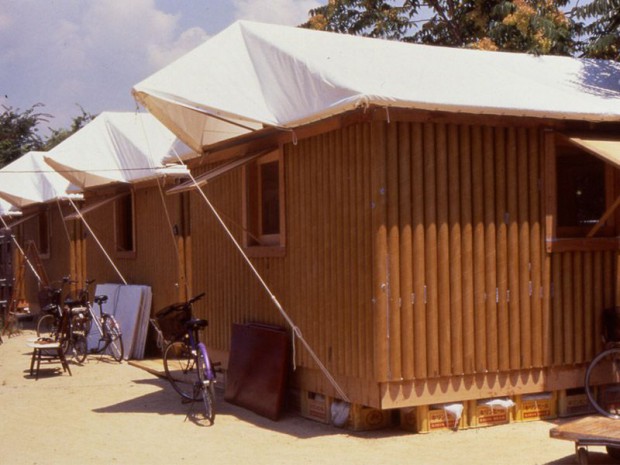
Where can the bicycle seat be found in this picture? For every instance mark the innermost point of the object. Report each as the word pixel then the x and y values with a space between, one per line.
pixel 196 323
pixel 100 299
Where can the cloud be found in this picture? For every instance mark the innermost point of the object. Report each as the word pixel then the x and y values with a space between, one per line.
pixel 286 12
pixel 65 53
pixel 69 52
pixel 163 54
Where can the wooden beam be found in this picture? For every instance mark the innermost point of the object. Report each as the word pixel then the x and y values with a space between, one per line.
pixel 550 189
pixel 601 222
pixel 380 249
pixel 479 385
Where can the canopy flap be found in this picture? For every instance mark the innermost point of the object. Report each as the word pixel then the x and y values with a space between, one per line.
pixel 216 172
pixel 607 149
pixel 93 206
pixel 29 180
pixel 118 147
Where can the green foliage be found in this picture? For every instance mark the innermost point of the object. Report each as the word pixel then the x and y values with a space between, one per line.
pixel 534 26
pixel 538 27
pixel 371 18
pixel 58 135
pixel 18 132
pixel 602 28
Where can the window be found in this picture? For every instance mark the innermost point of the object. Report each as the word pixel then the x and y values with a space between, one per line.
pixel 124 233
pixel 581 201
pixel 264 203
pixel 582 191
pixel 43 234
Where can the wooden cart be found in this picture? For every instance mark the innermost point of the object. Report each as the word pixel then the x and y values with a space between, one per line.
pixel 594 430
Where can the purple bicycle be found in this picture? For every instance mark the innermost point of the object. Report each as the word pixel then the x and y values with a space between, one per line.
pixel 186 361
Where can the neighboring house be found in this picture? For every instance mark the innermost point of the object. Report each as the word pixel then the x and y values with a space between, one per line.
pixel 126 223
pixel 440 224
pixel 29 184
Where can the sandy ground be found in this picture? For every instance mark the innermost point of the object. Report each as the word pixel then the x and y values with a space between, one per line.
pixel 108 413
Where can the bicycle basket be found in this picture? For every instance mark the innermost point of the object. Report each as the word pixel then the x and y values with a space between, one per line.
pixel 171 320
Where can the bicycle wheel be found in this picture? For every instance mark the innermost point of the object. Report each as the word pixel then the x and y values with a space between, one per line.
pixel 207 388
pixel 79 348
pixel 112 337
pixel 604 368
pixel 68 347
pixel 47 327
pixel 180 368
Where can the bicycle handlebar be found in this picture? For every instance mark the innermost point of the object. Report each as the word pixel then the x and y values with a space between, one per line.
pixel 196 298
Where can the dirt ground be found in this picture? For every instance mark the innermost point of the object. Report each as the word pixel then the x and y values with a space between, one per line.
pixel 108 413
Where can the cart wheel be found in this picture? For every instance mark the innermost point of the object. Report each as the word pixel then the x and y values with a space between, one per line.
pixel 582 456
pixel 613 452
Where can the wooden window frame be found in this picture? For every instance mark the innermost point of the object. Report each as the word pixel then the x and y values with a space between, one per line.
pixel 557 239
pixel 121 252
pixel 274 245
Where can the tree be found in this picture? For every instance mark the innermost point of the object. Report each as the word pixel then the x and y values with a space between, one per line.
pixel 58 135
pixel 535 26
pixel 371 18
pixel 602 28
pixel 18 132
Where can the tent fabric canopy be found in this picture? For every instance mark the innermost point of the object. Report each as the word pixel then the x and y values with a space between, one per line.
pixel 608 149
pixel 267 75
pixel 7 209
pixel 29 180
pixel 118 147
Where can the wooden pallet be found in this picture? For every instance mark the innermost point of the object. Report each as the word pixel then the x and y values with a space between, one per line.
pixel 594 430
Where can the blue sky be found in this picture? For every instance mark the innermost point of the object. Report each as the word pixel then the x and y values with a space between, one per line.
pixel 65 53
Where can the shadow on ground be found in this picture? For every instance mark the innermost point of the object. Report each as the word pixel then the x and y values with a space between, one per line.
pixel 167 402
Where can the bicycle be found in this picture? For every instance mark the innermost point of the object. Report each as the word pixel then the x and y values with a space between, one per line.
pixel 187 364
pixel 110 332
pixel 605 367
pixel 50 303
pixel 67 324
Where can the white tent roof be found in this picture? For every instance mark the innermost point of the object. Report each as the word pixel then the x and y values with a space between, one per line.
pixel 29 180
pixel 261 74
pixel 118 147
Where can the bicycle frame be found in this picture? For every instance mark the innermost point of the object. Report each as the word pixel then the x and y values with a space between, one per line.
pixel 110 336
pixel 196 345
pixel 186 361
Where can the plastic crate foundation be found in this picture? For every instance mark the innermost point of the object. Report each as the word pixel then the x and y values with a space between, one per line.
pixel 490 412
pixel 315 406
pixel 362 418
pixel 573 402
pixel 432 418
pixel 532 407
